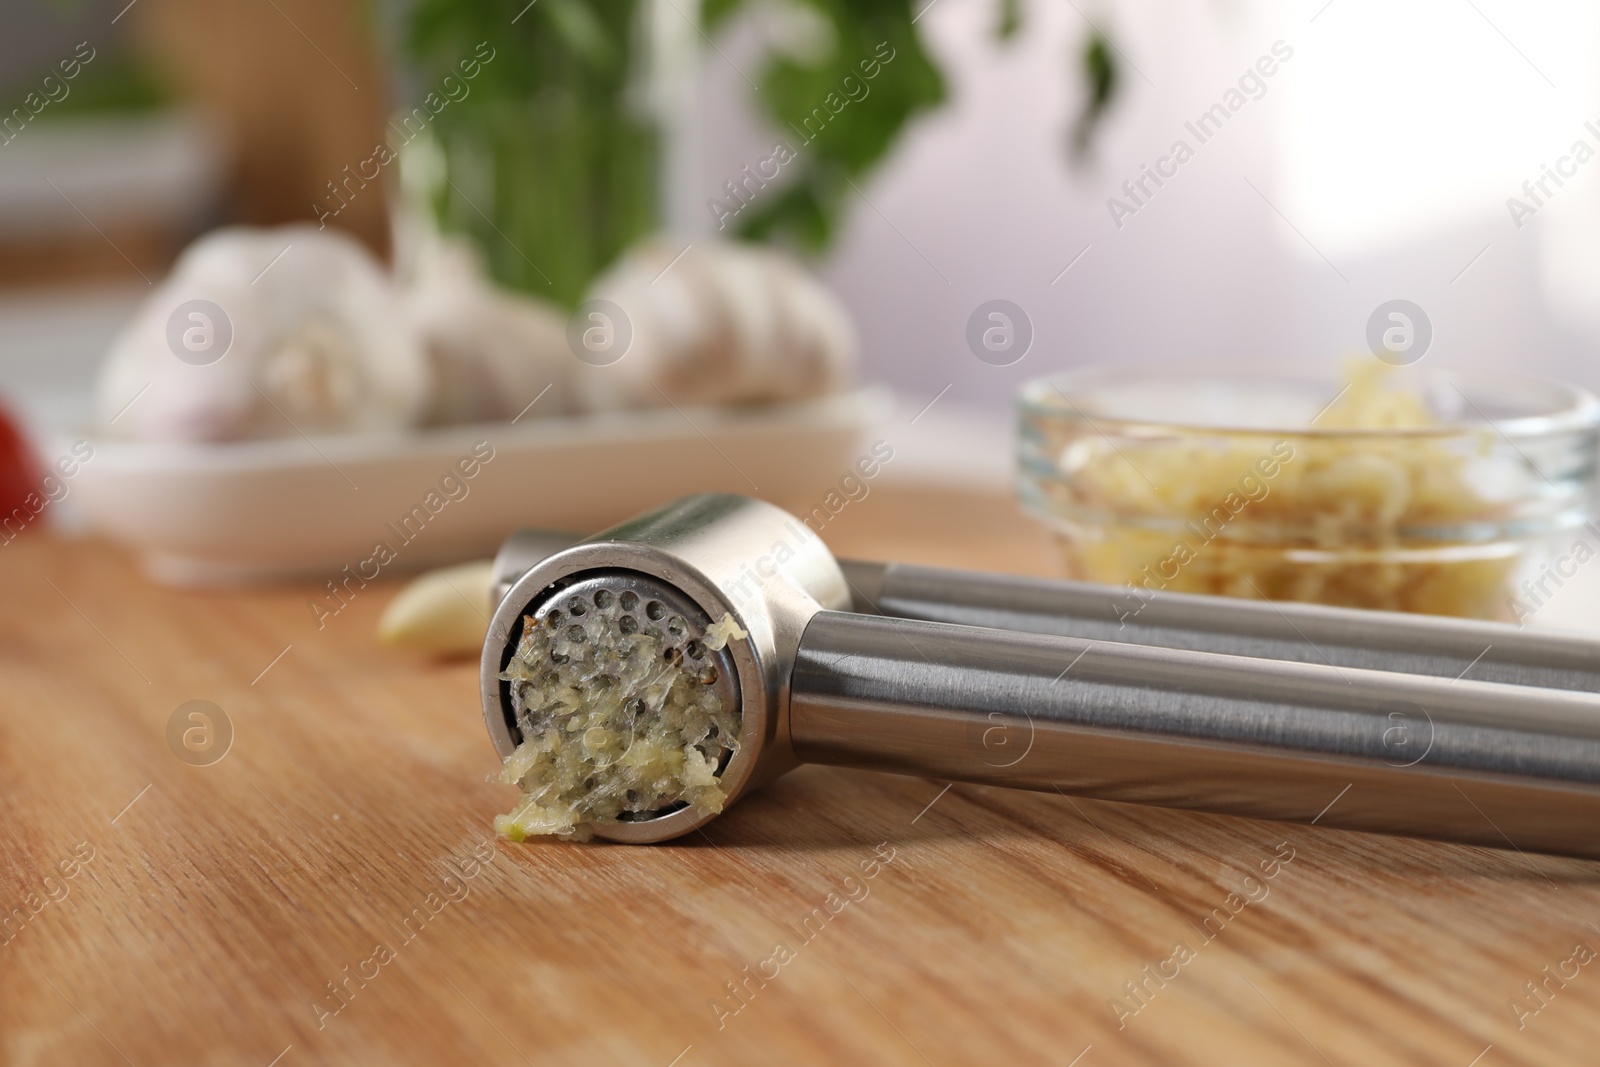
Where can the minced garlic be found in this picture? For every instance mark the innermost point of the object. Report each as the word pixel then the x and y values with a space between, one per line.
pixel 1360 521
pixel 719 633
pixel 619 714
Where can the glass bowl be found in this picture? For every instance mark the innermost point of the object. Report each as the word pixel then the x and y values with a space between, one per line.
pixel 1401 489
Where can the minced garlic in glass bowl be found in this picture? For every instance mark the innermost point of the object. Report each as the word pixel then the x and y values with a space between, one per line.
pixel 1402 489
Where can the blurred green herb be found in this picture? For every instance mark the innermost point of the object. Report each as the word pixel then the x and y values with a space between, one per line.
pixel 552 160
pixel 114 83
pixel 1100 78
pixel 859 120
pixel 1010 20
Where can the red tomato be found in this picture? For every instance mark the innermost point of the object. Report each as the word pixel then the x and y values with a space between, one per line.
pixel 19 477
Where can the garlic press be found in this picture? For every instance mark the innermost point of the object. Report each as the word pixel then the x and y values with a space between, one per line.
pixel 1471 732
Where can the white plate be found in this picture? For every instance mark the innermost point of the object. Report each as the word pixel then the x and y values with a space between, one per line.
pixel 299 507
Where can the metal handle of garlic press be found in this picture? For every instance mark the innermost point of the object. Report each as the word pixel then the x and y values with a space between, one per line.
pixel 1282 630
pixel 1472 762
pixel 1306 633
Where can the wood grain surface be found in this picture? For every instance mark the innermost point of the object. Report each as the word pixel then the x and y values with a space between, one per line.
pixel 329 892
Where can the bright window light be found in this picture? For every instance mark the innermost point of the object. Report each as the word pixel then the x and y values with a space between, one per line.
pixel 1409 118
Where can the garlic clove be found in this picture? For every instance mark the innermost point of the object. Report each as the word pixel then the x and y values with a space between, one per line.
pixel 725 323
pixel 830 349
pixel 492 351
pixel 443 612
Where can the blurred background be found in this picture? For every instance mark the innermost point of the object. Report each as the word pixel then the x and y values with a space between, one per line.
pixel 986 160
pixel 1388 144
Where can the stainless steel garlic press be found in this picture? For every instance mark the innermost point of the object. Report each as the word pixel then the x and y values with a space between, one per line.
pixel 1461 731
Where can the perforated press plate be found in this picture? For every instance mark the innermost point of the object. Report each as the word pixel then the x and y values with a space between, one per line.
pixel 621 710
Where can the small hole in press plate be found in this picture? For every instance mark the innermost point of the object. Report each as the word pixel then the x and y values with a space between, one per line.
pixel 653 611
pixel 646 816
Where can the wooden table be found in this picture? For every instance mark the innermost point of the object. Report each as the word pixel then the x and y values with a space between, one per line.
pixel 329 890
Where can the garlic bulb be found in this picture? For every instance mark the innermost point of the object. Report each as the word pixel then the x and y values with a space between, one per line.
pixel 725 323
pixel 265 333
pixel 273 333
pixel 492 351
